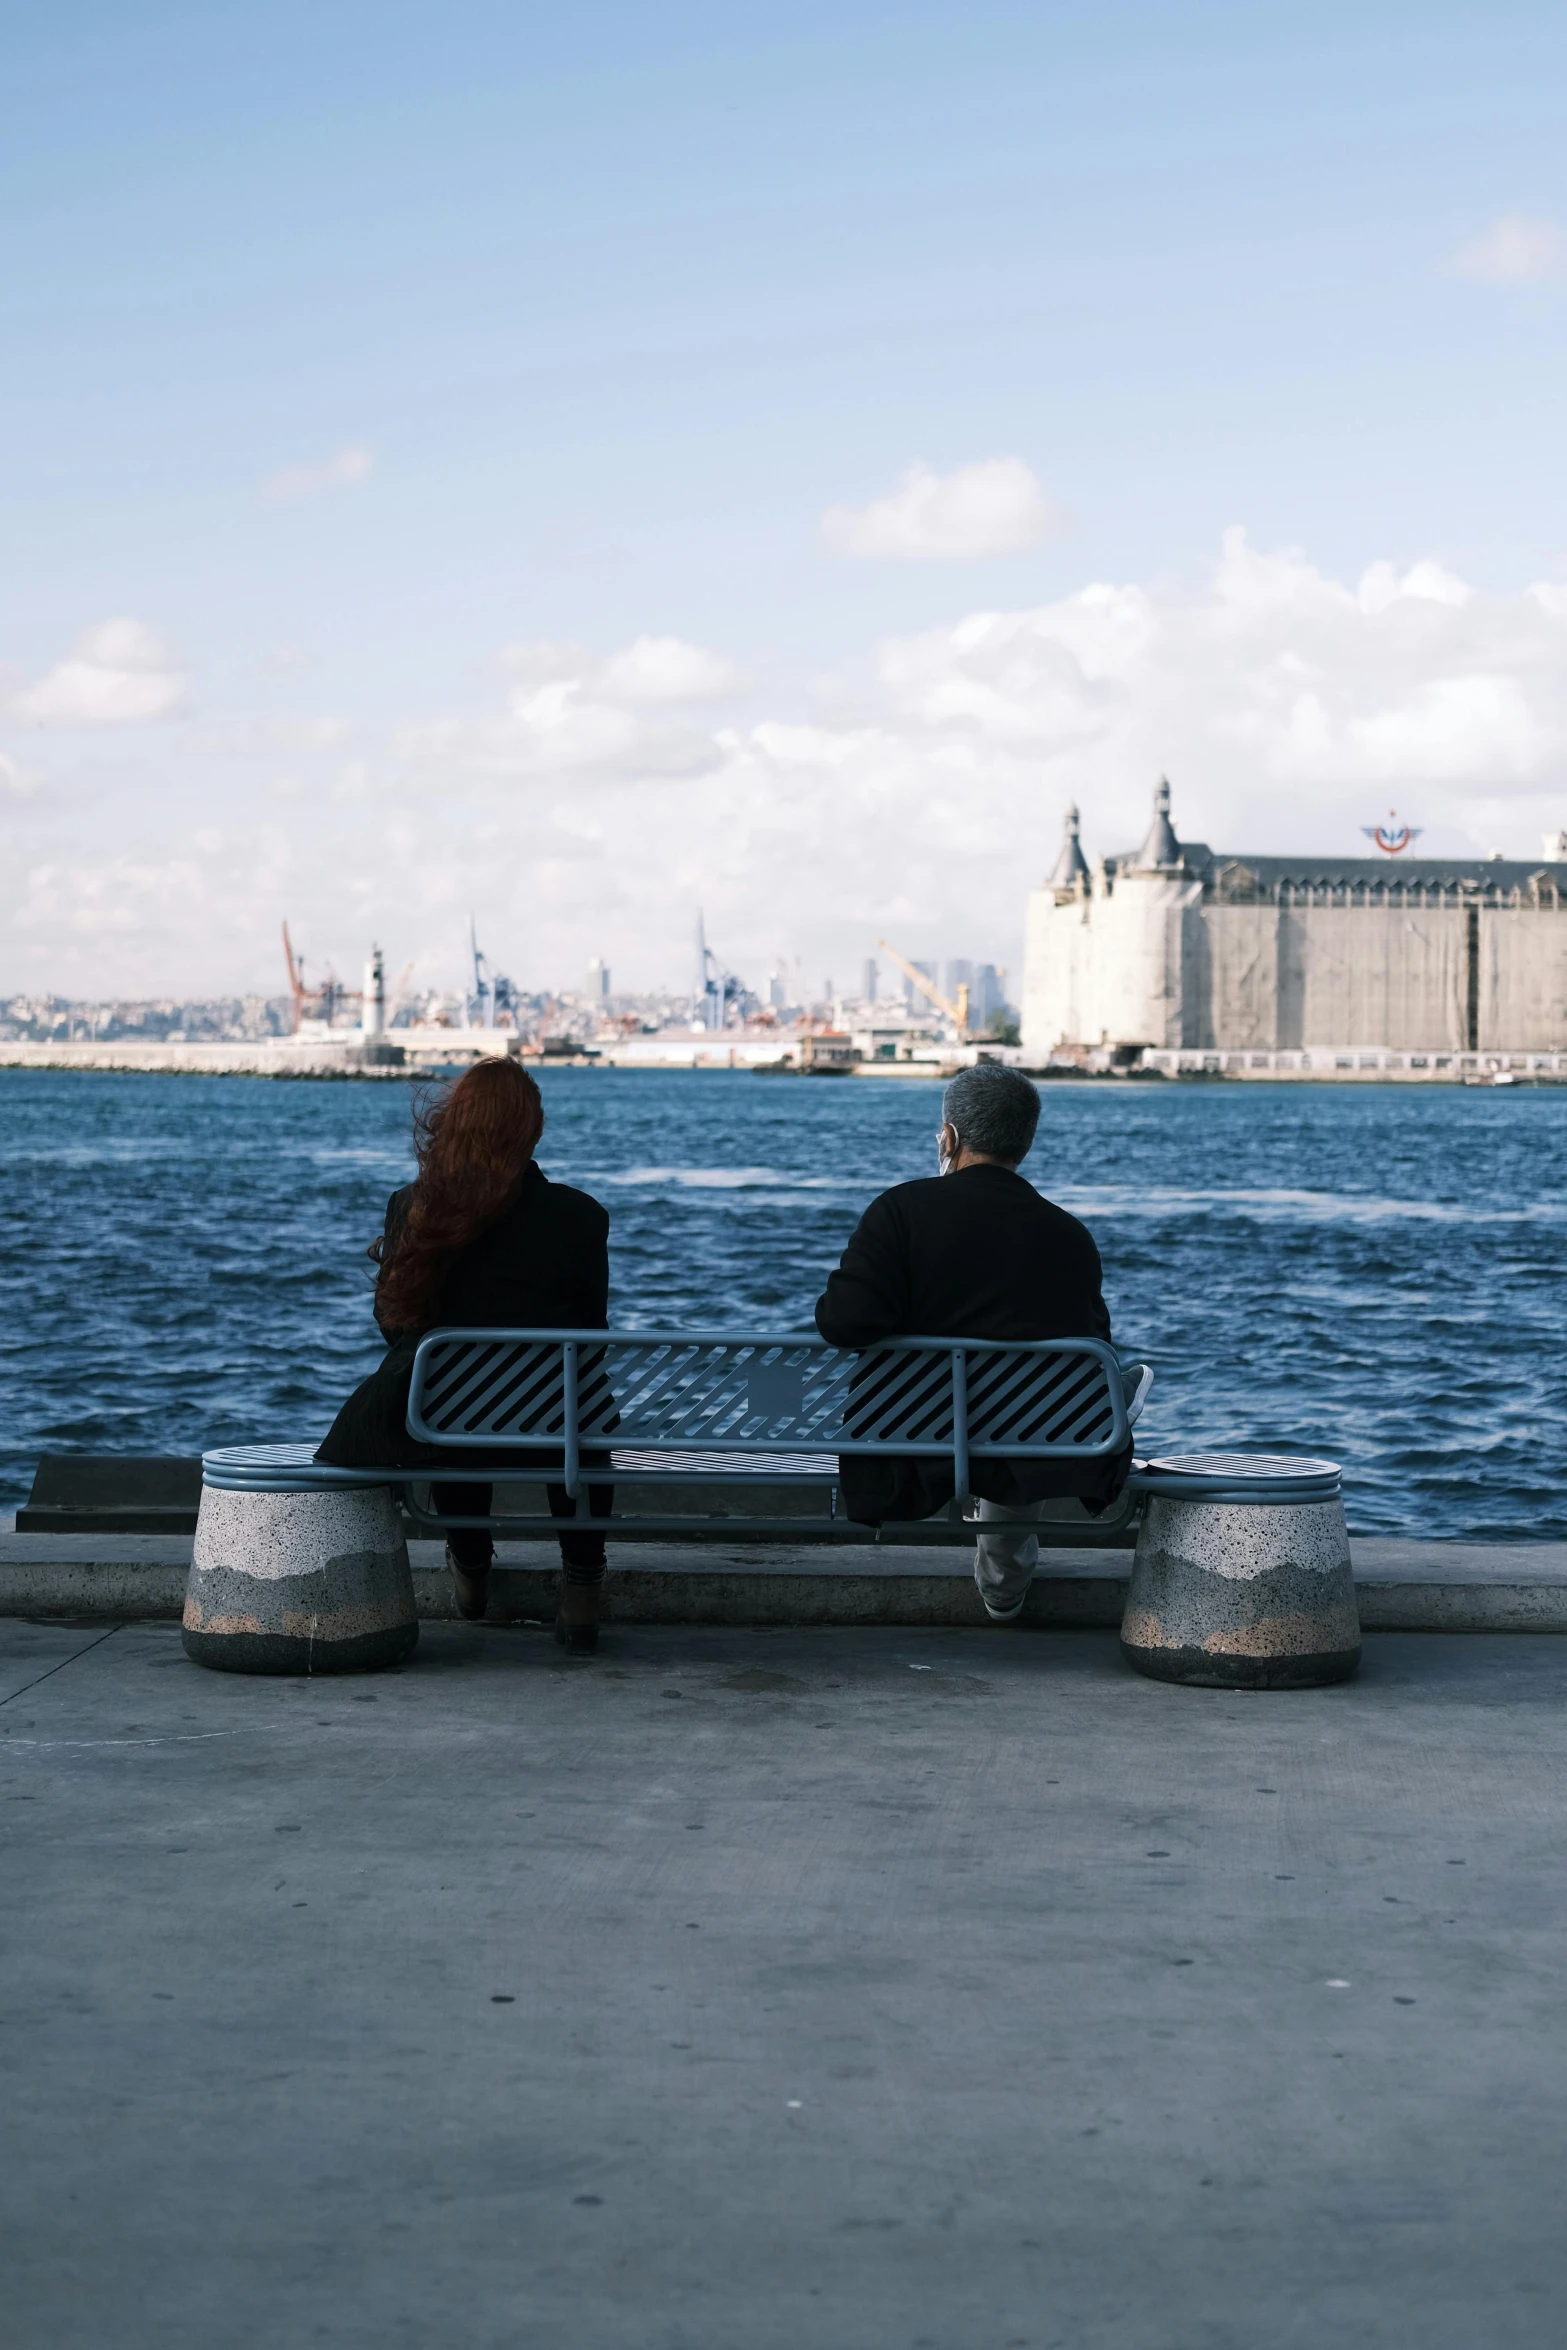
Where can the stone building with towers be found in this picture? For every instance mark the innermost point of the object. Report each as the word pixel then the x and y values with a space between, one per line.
pixel 1180 949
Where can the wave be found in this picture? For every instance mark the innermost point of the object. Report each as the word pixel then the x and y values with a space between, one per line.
pixel 1109 1201
pixel 1112 1200
pixel 718 1179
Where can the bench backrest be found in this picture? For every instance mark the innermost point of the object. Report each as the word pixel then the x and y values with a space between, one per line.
pixel 668 1391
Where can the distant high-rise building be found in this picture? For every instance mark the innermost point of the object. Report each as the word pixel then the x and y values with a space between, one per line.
pixel 987 994
pixel 870 979
pixel 598 980
pixel 778 988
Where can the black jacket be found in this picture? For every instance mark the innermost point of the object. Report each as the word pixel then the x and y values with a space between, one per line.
pixel 976 1254
pixel 542 1265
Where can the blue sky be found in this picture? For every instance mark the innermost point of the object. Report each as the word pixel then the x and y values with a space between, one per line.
pixel 393 370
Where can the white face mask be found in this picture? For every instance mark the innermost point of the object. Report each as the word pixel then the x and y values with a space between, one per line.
pixel 944 1156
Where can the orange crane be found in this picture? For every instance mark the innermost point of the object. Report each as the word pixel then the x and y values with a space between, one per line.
pixel 296 979
pixel 957 1012
pixel 324 998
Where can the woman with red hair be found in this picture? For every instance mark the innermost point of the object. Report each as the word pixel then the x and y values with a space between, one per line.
pixel 482 1239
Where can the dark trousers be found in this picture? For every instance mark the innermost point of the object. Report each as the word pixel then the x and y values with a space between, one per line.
pixel 581 1555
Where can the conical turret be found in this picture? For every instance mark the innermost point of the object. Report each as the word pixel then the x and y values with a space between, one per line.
pixel 1071 865
pixel 1161 848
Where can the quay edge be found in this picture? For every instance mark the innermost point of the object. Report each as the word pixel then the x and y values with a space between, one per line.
pixel 1400 1585
pixel 380 1060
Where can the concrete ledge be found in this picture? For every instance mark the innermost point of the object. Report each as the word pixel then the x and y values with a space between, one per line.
pixel 1407 1586
pixel 115 1577
pixel 1401 1585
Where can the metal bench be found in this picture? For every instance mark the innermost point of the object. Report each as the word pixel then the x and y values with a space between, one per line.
pixel 1242 1576
pixel 731 1411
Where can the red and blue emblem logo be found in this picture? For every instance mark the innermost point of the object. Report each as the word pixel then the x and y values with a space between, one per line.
pixel 1392 837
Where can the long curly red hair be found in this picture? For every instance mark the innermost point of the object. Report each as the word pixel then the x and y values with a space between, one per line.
pixel 473 1143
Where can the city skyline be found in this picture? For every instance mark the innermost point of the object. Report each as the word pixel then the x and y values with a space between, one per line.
pixel 408 997
pixel 580 469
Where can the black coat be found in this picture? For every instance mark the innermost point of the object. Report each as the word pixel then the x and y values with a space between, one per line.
pixel 542 1265
pixel 975 1254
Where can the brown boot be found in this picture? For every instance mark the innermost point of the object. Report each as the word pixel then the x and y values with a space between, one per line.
pixel 472 1587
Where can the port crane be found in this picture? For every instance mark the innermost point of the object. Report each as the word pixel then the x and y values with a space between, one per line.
pixel 956 1012
pixel 322 1002
pixel 716 989
pixel 319 1002
pixel 493 993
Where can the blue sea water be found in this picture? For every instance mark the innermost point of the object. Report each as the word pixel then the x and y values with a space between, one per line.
pixel 1378 1273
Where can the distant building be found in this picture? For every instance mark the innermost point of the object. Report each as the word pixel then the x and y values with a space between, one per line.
pixel 987 995
pixel 870 980
pixel 1176 944
pixel 960 973
pixel 598 981
pixel 915 997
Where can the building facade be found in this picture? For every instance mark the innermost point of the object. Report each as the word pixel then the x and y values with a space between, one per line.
pixel 1181 946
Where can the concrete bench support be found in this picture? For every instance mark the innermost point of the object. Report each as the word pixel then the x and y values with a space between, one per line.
pixel 300 1582
pixel 1242 1578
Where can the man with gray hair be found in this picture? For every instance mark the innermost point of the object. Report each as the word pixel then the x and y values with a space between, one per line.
pixel 974 1252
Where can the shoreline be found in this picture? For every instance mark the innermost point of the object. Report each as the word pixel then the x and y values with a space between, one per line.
pixel 350 1064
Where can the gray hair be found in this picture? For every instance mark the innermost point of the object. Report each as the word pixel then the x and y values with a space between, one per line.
pixel 994 1110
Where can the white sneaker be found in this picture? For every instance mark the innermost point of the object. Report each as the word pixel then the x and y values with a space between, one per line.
pixel 1008 1615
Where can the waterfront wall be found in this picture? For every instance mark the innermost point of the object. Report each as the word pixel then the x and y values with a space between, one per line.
pixel 343 1054
pixel 1336 1065
pixel 239 1057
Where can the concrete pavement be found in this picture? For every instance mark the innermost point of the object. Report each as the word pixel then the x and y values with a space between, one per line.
pixel 956 1990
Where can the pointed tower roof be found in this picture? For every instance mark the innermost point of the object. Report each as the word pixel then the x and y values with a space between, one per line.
pixel 1071 863
pixel 1161 846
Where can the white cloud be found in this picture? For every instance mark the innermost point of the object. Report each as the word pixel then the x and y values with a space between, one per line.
pixel 344 470
pixel 994 508
pixel 1514 249
pixel 579 816
pixel 1382 585
pixel 571 714
pixel 16 779
pixel 118 674
pixel 666 669
pixel 1281 692
pixel 652 669
pixel 126 895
